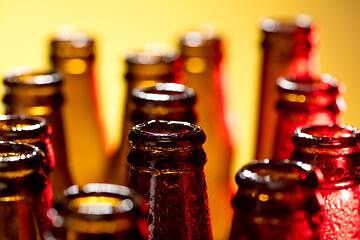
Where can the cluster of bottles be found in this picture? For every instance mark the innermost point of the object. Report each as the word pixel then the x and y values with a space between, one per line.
pixel 174 133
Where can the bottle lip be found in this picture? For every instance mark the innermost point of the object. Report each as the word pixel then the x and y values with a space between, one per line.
pixel 163 94
pixel 27 76
pixel 286 25
pixel 167 134
pixel 327 136
pixel 276 175
pixel 16 127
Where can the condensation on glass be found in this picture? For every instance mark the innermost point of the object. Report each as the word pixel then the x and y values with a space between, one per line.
pixel 24 195
pixel 98 211
pixel 302 103
pixel 164 101
pixel 167 168
pixel 276 200
pixel 289 47
pixel 38 93
pixel 334 151
pixel 202 51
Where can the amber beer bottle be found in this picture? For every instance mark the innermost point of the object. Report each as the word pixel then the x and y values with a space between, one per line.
pixel 147 66
pixel 335 151
pixel 302 103
pixel 202 51
pixel 164 101
pixel 276 200
pixel 23 196
pixel 98 211
pixel 290 47
pixel 39 93
pixel 167 168
pixel 73 54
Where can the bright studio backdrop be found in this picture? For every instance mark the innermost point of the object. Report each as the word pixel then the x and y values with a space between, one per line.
pixel 26 26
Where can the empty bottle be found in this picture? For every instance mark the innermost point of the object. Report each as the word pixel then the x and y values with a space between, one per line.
pixel 39 94
pixel 167 168
pixel 276 200
pixel 289 47
pixel 334 150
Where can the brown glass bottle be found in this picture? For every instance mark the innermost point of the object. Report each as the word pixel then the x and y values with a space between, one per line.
pixel 167 167
pixel 276 200
pixel 289 47
pixel 23 196
pixel 73 54
pixel 152 64
pixel 39 94
pixel 164 101
pixel 98 212
pixel 303 103
pixel 335 151
pixel 202 51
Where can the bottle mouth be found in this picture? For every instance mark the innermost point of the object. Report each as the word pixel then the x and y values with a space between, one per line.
pixel 167 134
pixel 164 94
pixel 286 25
pixel 153 53
pixel 26 76
pixel 15 127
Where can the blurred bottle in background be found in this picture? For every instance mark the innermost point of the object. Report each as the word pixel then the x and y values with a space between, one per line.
pixel 276 200
pixel 73 54
pixel 202 51
pixel 290 47
pixel 334 150
pixel 147 66
pixel 98 212
pixel 35 93
pixel 23 197
pixel 164 101
pixel 304 102
pixel 167 168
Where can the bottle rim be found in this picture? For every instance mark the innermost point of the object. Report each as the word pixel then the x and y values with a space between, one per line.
pixel 28 77
pixel 286 25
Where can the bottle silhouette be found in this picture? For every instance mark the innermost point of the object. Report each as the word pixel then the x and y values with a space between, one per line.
pixel 303 103
pixel 164 101
pixel 98 212
pixel 202 52
pixel 334 150
pixel 23 195
pixel 39 93
pixel 289 47
pixel 73 54
pixel 276 200
pixel 152 64
pixel 167 168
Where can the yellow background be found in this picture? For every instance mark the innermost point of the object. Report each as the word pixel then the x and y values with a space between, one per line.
pixel 26 26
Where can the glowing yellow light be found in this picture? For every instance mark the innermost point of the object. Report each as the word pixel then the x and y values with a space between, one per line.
pixel 263 197
pixel 75 66
pixel 40 111
pixel 195 65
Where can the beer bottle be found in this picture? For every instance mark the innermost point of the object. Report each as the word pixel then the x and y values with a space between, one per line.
pixel 164 101
pixel 276 200
pixel 39 93
pixel 98 212
pixel 302 103
pixel 147 66
pixel 73 54
pixel 23 196
pixel 167 168
pixel 334 150
pixel 202 51
pixel 290 47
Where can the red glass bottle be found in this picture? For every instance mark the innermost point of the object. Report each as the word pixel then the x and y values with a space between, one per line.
pixel 73 54
pixel 304 103
pixel 39 94
pixel 98 211
pixel 203 54
pixel 276 200
pixel 335 151
pixel 167 167
pixel 164 101
pixel 289 47
pixel 152 64
pixel 23 196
